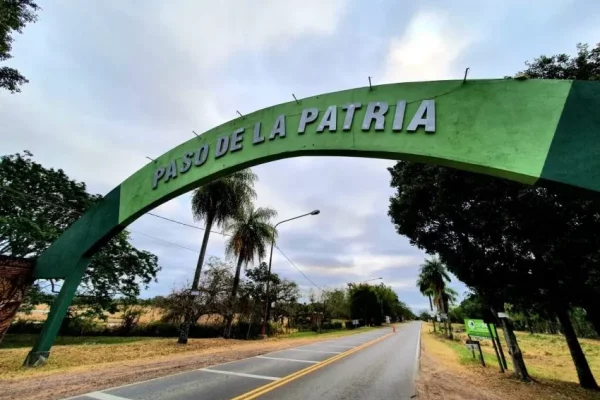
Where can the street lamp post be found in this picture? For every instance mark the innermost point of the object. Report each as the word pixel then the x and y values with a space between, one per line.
pixel 264 325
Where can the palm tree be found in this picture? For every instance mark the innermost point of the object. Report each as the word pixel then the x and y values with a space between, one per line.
pixel 250 232
pixel 216 203
pixel 432 281
pixel 426 291
pixel 448 297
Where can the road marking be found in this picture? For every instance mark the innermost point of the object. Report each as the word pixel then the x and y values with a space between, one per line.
pixel 288 359
pixel 286 379
pixel 217 371
pixel 104 396
pixel 356 335
pixel 314 351
pixel 353 344
pixel 418 352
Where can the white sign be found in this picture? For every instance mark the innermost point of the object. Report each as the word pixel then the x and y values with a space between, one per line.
pixel 502 315
pixel 195 293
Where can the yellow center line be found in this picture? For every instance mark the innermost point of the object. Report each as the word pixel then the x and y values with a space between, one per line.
pixel 286 379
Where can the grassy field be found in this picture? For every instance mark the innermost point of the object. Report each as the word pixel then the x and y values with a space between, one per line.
pixel 546 356
pixel 448 371
pixel 14 341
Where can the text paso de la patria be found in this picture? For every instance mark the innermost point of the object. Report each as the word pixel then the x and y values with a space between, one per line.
pixel 374 119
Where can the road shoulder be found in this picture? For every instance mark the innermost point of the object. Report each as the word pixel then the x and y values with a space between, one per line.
pixel 38 385
pixel 442 375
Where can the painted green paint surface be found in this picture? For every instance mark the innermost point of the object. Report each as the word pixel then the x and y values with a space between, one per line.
pixel 84 236
pixel 504 128
pixel 500 127
pixel 575 152
pixel 478 328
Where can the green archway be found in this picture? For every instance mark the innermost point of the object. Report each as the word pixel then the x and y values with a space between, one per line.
pixel 529 131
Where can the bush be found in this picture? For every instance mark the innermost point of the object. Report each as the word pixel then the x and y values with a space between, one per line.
pixel 25 327
pixel 83 327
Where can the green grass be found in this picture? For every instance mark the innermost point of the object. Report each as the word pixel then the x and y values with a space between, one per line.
pixel 15 341
pixel 466 355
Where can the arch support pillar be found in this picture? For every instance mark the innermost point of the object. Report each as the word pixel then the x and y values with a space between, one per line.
pixel 41 350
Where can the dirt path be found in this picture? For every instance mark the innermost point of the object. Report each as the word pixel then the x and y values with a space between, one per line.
pixel 81 380
pixel 443 376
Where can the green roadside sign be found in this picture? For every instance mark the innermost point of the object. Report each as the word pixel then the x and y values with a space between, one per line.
pixel 478 328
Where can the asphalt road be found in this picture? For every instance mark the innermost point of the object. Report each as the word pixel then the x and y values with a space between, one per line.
pixel 371 365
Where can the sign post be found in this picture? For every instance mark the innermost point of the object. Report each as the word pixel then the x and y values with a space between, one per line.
pixel 495 348
pixel 500 347
pixel 478 328
pixel 475 345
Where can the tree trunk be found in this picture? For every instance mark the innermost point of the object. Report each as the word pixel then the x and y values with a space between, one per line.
pixel 513 348
pixel 552 326
pixel 448 322
pixel 207 228
pixel 593 316
pixel 184 329
pixel 232 300
pixel 584 373
pixel 431 308
pixel 528 320
pixel 184 332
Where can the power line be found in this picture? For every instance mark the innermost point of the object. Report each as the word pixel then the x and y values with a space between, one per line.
pixel 299 270
pixel 165 241
pixel 162 240
pixel 186 224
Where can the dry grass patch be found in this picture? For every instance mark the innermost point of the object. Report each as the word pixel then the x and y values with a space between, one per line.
pixel 448 373
pixel 546 356
pixel 93 354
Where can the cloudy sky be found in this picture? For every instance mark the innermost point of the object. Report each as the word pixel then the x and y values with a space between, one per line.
pixel 112 82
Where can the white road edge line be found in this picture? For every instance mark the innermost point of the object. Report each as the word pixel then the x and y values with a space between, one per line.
pixel 314 351
pixel 288 359
pixel 104 396
pixel 418 352
pixel 217 371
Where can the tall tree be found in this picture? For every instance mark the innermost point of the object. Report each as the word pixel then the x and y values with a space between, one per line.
pixel 427 290
pixel 512 243
pixel 283 293
pixel 250 231
pixel 37 204
pixel 219 201
pixel 213 288
pixel 216 203
pixel 432 279
pixel 14 15
pixel 336 302
pixel 585 66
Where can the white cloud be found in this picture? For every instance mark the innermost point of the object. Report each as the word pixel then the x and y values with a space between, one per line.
pixel 427 49
pixel 211 33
